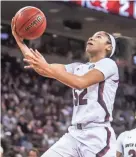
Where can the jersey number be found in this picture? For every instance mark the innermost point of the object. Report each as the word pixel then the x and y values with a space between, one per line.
pixel 80 98
pixel 132 153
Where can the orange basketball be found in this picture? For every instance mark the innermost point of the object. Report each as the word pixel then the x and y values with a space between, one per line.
pixel 30 22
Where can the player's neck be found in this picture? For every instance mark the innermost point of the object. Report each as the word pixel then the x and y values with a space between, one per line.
pixel 94 59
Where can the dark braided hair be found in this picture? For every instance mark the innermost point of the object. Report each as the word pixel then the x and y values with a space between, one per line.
pixel 125 47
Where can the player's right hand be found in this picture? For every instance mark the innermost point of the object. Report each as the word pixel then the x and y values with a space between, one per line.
pixel 16 36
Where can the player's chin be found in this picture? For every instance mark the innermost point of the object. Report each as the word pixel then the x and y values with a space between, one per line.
pixel 89 48
pixel 88 52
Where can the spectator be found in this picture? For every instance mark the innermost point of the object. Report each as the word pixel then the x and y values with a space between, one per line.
pixel 33 153
pixel 23 125
pixel 9 121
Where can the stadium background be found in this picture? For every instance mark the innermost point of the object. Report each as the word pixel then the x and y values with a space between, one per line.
pixel 36 111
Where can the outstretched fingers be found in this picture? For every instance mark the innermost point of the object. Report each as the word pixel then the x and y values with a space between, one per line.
pixel 30 61
pixel 29 67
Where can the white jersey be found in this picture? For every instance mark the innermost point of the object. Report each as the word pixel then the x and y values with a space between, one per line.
pixel 95 103
pixel 126 143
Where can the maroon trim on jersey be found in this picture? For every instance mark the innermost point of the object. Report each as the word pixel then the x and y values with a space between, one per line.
pixel 107 147
pixel 101 101
pixel 116 81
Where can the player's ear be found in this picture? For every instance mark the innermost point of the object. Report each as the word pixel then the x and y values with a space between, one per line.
pixel 108 49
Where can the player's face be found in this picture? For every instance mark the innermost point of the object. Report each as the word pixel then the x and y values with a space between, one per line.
pixel 32 154
pixel 98 43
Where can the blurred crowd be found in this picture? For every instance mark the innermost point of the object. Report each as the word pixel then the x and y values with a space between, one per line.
pixel 51 44
pixel 37 111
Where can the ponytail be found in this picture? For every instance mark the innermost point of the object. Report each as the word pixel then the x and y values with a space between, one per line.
pixel 125 47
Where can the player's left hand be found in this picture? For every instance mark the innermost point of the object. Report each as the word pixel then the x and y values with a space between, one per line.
pixel 37 62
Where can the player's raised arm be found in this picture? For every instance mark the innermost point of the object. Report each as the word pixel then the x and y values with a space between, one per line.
pixel 28 52
pixel 24 49
pixel 102 71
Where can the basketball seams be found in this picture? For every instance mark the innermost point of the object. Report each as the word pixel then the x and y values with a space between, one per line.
pixel 36 29
pixel 17 14
pixel 30 23
pixel 28 20
pixel 23 10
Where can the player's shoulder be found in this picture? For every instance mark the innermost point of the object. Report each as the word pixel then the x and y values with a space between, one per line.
pixel 132 131
pixel 123 134
pixel 108 64
pixel 76 64
pixel 127 134
pixel 108 61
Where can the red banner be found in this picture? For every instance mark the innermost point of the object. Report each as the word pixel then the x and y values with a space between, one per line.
pixel 125 8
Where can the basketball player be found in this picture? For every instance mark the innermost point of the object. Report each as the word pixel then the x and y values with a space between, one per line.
pixel 126 144
pixel 94 87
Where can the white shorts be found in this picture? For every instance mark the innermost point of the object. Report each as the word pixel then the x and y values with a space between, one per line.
pixel 92 142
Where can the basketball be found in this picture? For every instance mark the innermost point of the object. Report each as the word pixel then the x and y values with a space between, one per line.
pixel 30 22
